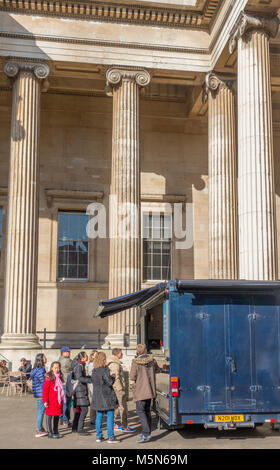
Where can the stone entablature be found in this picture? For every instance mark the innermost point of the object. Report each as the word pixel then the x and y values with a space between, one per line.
pixel 120 12
pixel 190 48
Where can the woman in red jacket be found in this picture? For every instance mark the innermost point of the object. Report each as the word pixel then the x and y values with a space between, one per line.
pixel 53 398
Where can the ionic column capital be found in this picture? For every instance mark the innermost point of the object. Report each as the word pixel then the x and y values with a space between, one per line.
pixel 115 76
pixel 12 68
pixel 247 24
pixel 214 83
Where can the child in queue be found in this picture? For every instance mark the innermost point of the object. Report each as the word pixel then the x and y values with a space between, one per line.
pixel 53 398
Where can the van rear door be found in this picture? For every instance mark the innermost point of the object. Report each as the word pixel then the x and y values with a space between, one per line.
pixel 226 352
pixel 266 331
pixel 216 373
pixel 241 355
pixel 198 341
pixel 186 360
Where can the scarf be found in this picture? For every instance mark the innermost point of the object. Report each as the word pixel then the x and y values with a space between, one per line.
pixel 58 387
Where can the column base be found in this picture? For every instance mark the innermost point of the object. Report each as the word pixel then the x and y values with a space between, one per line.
pixel 120 340
pixel 19 341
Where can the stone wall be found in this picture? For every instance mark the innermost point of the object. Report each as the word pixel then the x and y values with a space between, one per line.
pixel 76 156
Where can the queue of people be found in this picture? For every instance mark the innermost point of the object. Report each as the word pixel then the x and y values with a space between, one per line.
pixel 100 385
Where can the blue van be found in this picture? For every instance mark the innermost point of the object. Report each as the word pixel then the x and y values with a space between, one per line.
pixel 221 339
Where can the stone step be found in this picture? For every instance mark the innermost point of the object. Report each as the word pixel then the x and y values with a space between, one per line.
pixel 157 352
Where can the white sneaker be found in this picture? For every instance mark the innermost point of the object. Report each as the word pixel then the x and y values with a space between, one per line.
pixel 41 433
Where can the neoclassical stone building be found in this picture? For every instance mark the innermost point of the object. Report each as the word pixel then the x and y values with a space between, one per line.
pixel 152 104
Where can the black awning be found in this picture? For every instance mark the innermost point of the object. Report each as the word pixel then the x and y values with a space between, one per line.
pixel 136 299
pixel 227 285
pixel 155 295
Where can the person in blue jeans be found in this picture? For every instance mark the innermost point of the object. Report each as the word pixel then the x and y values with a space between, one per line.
pixel 66 367
pixel 104 399
pixel 37 376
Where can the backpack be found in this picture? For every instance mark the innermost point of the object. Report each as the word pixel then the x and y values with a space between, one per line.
pixel 71 384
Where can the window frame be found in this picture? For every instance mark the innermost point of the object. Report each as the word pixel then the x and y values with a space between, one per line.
pixel 153 211
pixel 71 279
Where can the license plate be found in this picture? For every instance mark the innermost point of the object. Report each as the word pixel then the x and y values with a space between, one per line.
pixel 229 418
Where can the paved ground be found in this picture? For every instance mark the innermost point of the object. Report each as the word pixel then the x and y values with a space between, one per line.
pixel 17 429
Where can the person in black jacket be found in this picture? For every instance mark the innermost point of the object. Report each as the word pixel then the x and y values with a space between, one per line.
pixel 103 398
pixel 25 367
pixel 81 401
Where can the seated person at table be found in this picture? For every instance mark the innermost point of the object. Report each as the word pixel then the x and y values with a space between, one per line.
pixel 25 367
pixel 3 369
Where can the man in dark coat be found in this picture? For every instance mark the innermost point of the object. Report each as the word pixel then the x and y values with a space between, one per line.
pixel 81 401
pixel 25 367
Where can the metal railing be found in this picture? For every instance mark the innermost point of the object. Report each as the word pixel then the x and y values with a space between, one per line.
pixel 87 339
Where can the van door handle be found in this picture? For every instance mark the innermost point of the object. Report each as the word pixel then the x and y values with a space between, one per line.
pixel 232 364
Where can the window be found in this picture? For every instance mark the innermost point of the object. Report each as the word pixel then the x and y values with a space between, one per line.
pixel 157 239
pixel 73 246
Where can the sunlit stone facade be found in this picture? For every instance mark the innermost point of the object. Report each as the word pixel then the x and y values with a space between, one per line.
pixel 152 105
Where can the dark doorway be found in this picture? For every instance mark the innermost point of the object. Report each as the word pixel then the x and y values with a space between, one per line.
pixel 154 327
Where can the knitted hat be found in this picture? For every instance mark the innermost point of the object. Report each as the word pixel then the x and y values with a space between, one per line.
pixel 140 349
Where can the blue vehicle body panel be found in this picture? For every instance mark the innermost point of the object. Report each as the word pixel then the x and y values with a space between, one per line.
pixel 223 343
pixel 225 351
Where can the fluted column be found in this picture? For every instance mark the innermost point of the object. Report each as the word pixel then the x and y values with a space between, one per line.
pixel 222 177
pixel 124 85
pixel 22 224
pixel 257 222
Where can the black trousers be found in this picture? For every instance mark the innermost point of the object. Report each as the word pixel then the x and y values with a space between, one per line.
pixel 79 418
pixel 143 409
pixel 50 429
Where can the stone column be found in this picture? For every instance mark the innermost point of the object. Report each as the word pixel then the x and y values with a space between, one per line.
pixel 222 177
pixel 256 189
pixel 22 224
pixel 124 85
